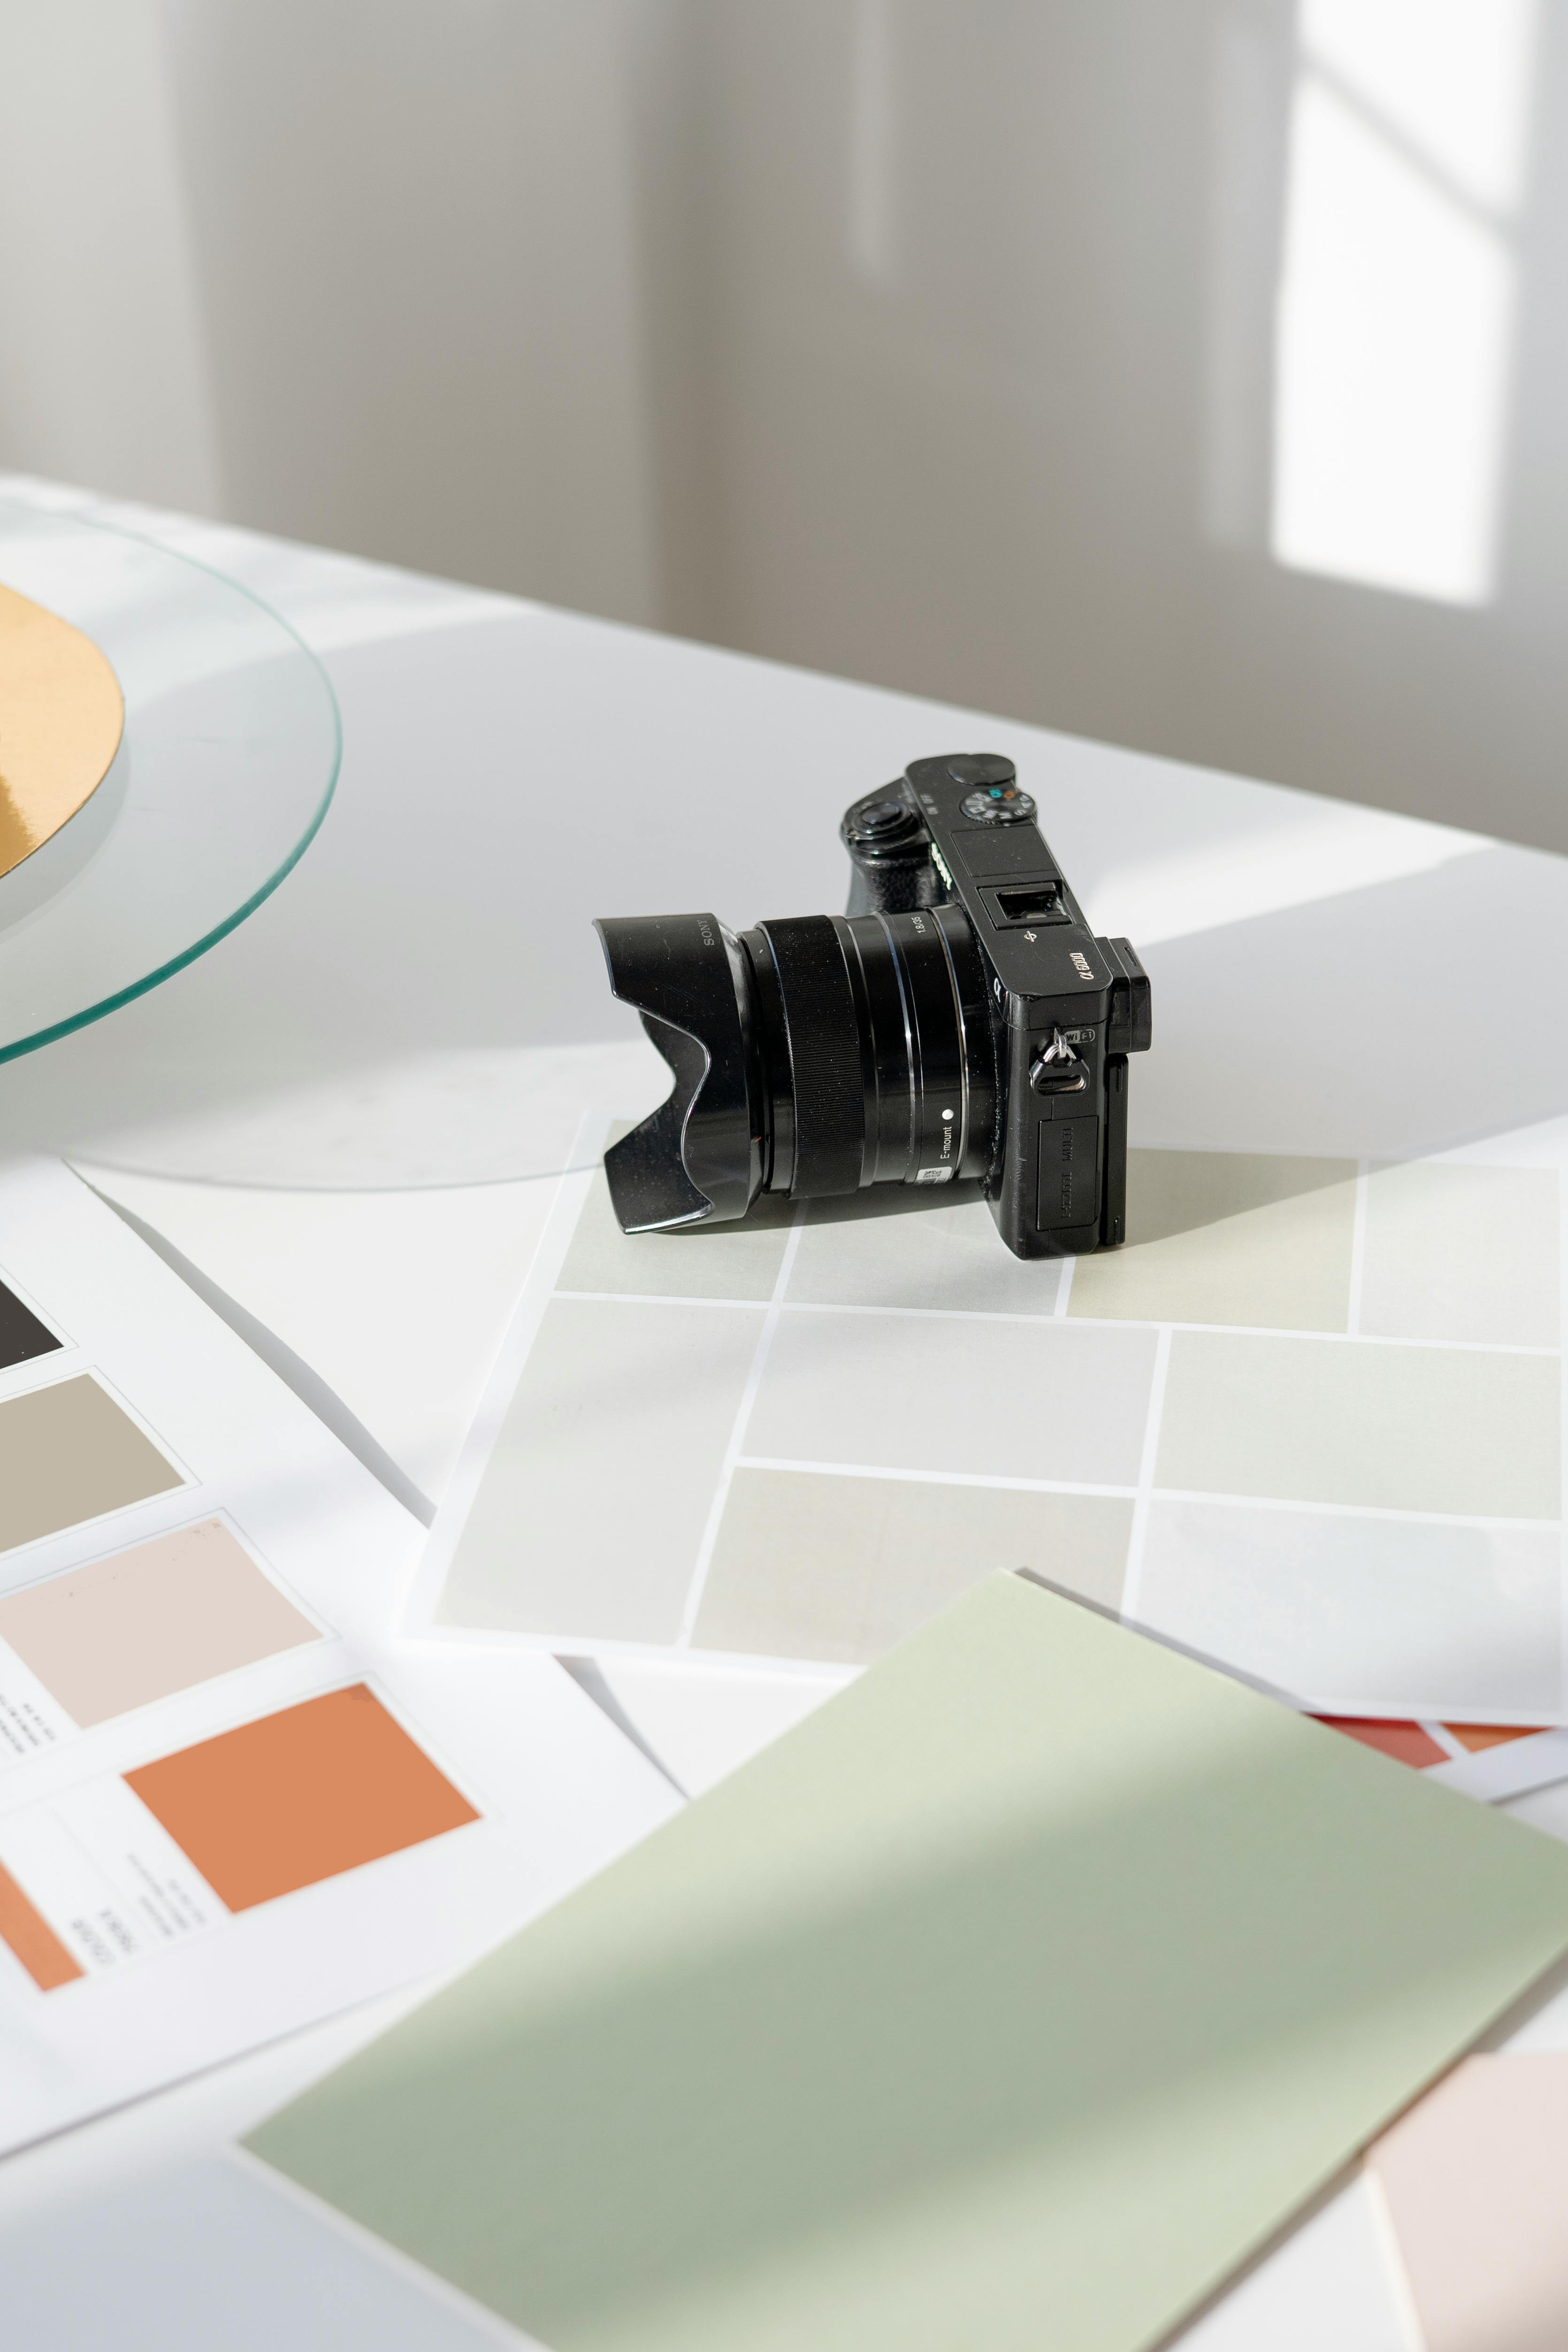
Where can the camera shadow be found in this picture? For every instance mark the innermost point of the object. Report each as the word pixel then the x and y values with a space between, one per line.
pixel 1168 1193
pixel 1292 1045
pixel 891 1201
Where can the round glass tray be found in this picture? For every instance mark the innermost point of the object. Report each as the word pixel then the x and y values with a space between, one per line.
pixel 227 764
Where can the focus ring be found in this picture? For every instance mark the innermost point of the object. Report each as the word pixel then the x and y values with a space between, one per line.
pixel 823 1033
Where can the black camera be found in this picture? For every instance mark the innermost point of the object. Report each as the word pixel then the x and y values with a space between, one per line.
pixel 960 1021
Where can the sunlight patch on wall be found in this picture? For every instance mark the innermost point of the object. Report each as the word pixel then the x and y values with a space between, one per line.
pixel 1397 296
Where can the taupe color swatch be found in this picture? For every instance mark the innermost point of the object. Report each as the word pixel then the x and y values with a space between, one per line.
pixel 1458 1253
pixel 590 1512
pixel 879 1249
pixel 811 1566
pixel 1401 1429
pixel 1228 1237
pixel 709 1261
pixel 934 1392
pixel 158 1618
pixel 69 1453
pixel 1008 2002
pixel 1340 1610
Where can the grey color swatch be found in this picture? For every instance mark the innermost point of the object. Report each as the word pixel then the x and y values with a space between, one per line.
pixel 815 1566
pixel 877 1249
pixel 709 1261
pixel 1228 1237
pixel 934 1392
pixel 1462 1252
pixel 1402 1429
pixel 1346 1609
pixel 570 1533
pixel 69 1453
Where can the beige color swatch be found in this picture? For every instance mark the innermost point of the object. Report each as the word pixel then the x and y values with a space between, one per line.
pixel 809 1566
pixel 1228 1237
pixel 739 1261
pixel 158 1618
pixel 889 1247
pixel 1335 1606
pixel 1457 1252
pixel 1402 1429
pixel 593 1503
pixel 1473 2183
pixel 937 1392
pixel 69 1453
pixel 61 717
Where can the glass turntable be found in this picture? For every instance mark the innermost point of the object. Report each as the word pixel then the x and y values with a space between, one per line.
pixel 224 772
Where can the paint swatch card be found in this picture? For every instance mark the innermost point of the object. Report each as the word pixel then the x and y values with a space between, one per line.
pixel 1472 2183
pixel 1014 1998
pixel 81 1648
pixel 229 1803
pixel 127 1865
pixel 69 1453
pixel 1308 1421
pixel 22 1334
pixel 1493 1762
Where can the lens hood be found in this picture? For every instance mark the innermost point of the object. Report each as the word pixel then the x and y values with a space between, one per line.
pixel 697 1159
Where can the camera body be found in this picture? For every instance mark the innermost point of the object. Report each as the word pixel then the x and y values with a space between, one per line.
pixel 1067 1008
pixel 960 1021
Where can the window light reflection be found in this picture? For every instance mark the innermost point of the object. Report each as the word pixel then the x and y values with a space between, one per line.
pixel 1394 321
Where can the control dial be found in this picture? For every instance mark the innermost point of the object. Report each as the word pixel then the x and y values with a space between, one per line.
pixel 998 804
pixel 994 795
pixel 880 820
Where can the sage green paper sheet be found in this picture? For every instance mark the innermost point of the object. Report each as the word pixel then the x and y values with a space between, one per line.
pixel 1010 2002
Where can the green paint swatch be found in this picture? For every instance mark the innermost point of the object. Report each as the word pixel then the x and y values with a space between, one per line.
pixel 1012 2000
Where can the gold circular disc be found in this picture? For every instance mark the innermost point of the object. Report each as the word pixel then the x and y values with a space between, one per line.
pixel 61 719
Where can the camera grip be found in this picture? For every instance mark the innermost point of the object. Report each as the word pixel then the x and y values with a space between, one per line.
pixel 893 886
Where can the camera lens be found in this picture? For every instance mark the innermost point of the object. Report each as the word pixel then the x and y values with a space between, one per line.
pixel 813 1056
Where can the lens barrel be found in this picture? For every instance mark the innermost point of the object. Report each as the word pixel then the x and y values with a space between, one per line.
pixel 813 1056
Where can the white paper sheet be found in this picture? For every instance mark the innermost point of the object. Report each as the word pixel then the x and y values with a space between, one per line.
pixel 1309 1421
pixel 168 1973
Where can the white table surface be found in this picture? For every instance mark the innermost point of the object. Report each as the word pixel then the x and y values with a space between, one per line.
pixel 338 1124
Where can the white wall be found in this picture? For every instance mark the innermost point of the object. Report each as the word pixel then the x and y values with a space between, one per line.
pixel 103 374
pixel 994 412
pixel 358 271
pixel 934 343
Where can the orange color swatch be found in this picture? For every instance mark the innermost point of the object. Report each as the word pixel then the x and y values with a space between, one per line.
pixel 32 1938
pixel 1490 1735
pixel 299 1796
pixel 1406 1742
